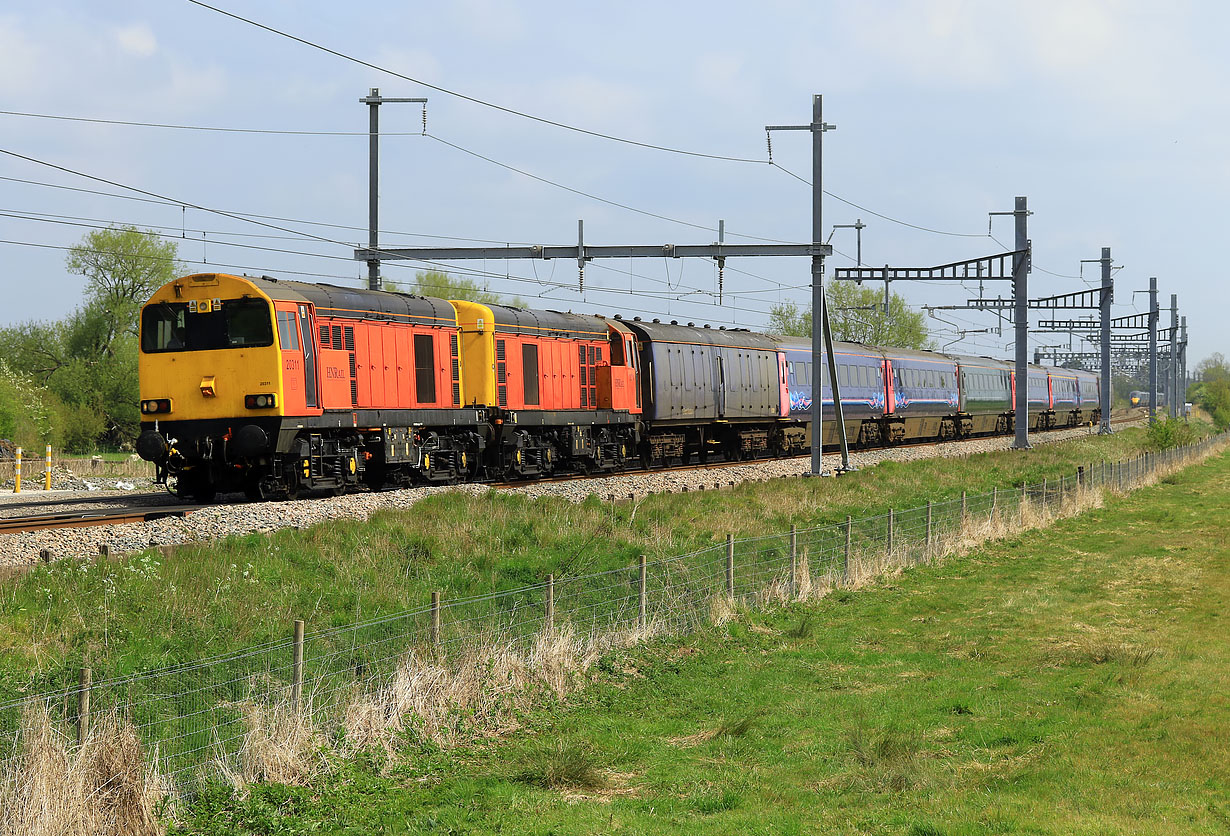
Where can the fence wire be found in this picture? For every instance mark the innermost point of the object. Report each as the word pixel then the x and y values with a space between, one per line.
pixel 197 715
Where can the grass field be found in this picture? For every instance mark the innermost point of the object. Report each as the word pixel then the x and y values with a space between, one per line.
pixel 149 610
pixel 1071 680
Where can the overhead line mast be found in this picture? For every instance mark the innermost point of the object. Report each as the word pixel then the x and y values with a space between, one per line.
pixel 719 252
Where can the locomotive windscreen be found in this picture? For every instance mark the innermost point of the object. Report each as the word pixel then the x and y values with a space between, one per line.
pixel 238 323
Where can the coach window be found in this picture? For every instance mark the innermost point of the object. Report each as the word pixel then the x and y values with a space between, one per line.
pixel 529 371
pixel 424 368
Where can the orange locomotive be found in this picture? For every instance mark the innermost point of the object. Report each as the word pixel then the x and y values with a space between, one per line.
pixel 275 387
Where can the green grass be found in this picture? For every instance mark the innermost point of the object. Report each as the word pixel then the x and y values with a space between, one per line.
pixel 1070 680
pixel 151 610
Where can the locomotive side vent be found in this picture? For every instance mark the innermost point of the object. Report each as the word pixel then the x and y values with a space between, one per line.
pixel 501 373
pixel 337 337
pixel 456 363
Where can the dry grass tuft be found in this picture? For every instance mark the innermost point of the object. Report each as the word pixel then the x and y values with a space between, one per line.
pixel 479 687
pixel 281 745
pixel 106 786
pixel 722 610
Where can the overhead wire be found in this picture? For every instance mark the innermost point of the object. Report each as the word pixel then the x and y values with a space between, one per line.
pixel 358 279
pixel 472 99
pixel 204 128
pixel 880 215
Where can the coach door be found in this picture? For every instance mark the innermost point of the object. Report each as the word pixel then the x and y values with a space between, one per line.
pixel 719 384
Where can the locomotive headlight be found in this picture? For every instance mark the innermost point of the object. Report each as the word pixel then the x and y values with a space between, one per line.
pixel 156 406
pixel 259 401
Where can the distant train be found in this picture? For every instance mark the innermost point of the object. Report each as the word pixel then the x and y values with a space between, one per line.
pixel 275 387
pixel 1141 398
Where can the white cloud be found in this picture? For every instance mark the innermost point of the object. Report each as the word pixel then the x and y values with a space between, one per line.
pixel 136 39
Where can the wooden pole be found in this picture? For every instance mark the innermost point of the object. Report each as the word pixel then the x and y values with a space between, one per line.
pixel 643 609
pixel 296 684
pixel 730 566
pixel 845 560
pixel 47 481
pixel 433 634
pixel 83 704
pixel 550 620
pixel 891 515
pixel 927 555
pixel 794 560
pixel 963 510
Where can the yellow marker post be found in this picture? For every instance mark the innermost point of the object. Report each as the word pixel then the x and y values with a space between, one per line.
pixel 17 480
pixel 47 483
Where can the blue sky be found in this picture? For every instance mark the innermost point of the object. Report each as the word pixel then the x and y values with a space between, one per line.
pixel 1109 116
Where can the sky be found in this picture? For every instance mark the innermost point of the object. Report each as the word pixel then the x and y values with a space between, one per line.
pixel 1109 116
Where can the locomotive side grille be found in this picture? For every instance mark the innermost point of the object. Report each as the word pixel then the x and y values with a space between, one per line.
pixel 456 364
pixel 337 337
pixel 325 342
pixel 349 339
pixel 354 383
pixel 501 376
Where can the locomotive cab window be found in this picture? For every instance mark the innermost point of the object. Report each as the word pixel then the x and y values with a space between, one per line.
pixel 288 334
pixel 239 323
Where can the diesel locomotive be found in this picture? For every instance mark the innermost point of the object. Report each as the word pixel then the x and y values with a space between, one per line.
pixel 277 387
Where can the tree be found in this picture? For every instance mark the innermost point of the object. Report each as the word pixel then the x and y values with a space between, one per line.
pixel 443 286
pixel 1213 390
pixel 88 361
pixel 123 267
pixel 857 315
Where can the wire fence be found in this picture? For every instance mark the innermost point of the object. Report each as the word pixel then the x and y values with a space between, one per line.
pixel 445 669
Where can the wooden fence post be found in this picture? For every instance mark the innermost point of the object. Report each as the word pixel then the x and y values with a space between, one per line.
pixel 963 511
pixel 83 704
pixel 550 620
pixel 845 560
pixel 47 483
pixel 644 595
pixel 994 501
pixel 794 560
pixel 433 634
pixel 730 566
pixel 891 515
pixel 296 683
pixel 927 553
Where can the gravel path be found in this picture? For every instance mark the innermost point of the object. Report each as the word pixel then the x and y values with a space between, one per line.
pixel 216 521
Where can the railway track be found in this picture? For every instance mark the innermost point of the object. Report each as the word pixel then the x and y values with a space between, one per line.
pixel 126 512
pixel 82 519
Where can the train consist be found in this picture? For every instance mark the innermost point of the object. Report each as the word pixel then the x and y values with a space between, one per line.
pixel 277 387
